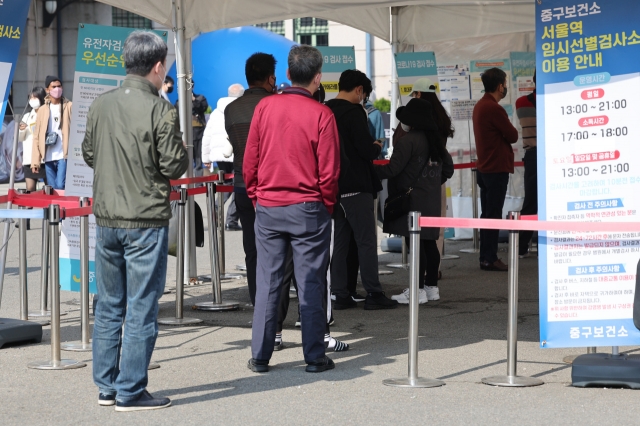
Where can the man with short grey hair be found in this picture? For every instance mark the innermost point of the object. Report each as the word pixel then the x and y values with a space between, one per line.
pixel 291 168
pixel 134 145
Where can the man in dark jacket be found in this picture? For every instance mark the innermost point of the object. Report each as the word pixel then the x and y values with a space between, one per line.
pixel 357 185
pixel 494 135
pixel 134 145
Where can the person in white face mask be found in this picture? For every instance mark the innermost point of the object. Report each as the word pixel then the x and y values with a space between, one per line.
pixel 27 130
pixel 51 138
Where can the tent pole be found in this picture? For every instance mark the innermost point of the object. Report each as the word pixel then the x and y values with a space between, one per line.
pixel 191 268
pixel 394 72
pixel 181 75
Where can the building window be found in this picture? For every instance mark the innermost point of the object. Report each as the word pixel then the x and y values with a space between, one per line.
pixel 122 18
pixel 312 31
pixel 275 27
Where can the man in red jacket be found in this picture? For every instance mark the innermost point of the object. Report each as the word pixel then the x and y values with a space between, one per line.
pixel 291 168
pixel 494 135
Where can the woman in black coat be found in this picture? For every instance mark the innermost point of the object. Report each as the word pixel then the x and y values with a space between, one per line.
pixel 419 161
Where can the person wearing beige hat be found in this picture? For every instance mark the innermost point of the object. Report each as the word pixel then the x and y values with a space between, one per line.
pixel 425 89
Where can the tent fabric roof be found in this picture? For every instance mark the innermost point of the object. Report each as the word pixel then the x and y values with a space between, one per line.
pixel 418 21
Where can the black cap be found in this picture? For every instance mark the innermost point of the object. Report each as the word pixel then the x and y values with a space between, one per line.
pixel 50 79
pixel 418 114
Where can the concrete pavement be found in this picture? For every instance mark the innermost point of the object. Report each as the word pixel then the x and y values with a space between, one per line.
pixel 203 368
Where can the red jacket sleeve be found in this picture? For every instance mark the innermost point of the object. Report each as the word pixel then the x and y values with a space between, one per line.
pixel 503 124
pixel 252 157
pixel 328 160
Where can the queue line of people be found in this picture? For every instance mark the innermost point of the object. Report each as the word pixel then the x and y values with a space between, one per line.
pixel 297 163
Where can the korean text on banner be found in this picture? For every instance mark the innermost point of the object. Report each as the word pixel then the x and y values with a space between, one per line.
pixel 13 20
pixel 589 169
pixel 412 67
pixel 477 88
pixel 99 69
pixel 336 61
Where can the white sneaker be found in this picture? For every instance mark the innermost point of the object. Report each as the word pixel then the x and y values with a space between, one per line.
pixel 433 293
pixel 403 297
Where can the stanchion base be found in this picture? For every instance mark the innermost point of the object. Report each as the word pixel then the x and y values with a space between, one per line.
pixel 153 366
pixel 77 346
pixel 406 382
pixel 40 314
pixel 179 321
pixel 512 381
pixel 64 364
pixel 449 257
pixel 569 359
pixel 398 265
pixel 471 250
pixel 212 306
pixel 231 276
pixel 384 272
pixel 241 267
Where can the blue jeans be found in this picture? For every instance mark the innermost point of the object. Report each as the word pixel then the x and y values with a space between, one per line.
pixel 131 268
pixel 56 173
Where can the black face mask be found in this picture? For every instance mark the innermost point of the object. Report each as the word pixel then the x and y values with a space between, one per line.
pixel 170 89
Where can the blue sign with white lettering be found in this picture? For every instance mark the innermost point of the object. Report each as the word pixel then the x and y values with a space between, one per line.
pixel 13 19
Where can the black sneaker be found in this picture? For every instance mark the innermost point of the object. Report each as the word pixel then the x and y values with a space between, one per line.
pixel 320 365
pixel 379 301
pixel 358 298
pixel 344 303
pixel 144 402
pixel 258 366
pixel 278 346
pixel 106 400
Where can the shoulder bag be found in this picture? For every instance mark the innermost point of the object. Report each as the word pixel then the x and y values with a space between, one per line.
pixel 398 205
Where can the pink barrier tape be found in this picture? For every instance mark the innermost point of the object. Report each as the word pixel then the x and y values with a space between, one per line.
pixel 189 181
pixel 174 196
pixel 224 188
pixel 528 225
pixel 79 211
pixel 529 217
pixel 195 191
pixel 455 166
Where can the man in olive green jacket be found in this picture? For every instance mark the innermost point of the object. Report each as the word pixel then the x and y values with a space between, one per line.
pixel 133 143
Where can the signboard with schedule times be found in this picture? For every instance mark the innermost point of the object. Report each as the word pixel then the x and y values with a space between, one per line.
pixel 588 98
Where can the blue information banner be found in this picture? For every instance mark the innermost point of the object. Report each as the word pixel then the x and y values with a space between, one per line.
pixel 13 20
pixel 588 98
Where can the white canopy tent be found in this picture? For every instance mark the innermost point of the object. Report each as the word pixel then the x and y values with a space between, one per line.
pixel 409 22
pixel 418 20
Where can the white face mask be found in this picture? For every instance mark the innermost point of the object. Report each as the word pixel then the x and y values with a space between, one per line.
pixel 35 103
pixel 405 127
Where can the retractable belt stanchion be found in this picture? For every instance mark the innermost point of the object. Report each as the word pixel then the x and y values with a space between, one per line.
pixel 413 381
pixel 221 219
pixel 44 265
pixel 404 264
pixel 217 304
pixel 56 363
pixel 512 379
pixel 474 207
pixel 179 318
pixel 84 345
